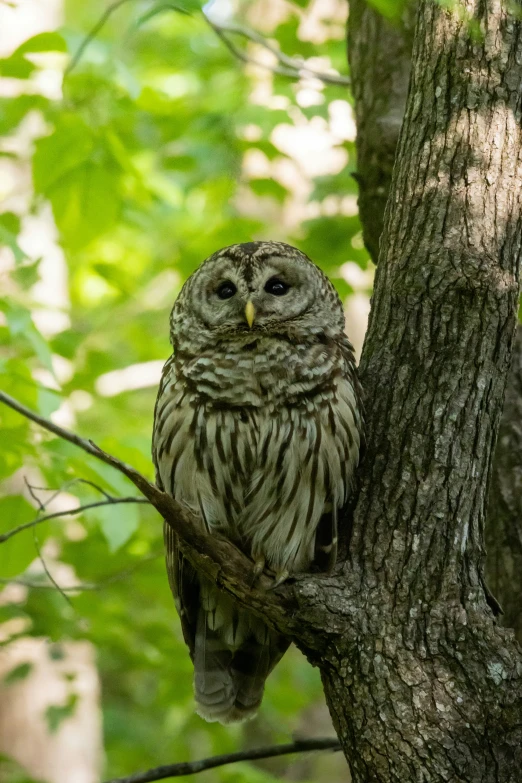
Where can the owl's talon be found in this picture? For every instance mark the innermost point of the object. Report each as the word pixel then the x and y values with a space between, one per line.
pixel 259 567
pixel 281 577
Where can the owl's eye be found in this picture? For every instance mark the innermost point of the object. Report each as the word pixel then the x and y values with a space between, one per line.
pixel 226 290
pixel 276 287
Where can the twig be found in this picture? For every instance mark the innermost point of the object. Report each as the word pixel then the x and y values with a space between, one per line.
pixel 45 568
pixel 192 767
pixel 68 512
pixel 41 506
pixel 87 445
pixel 290 66
pixel 119 576
pixel 93 33
pixel 212 555
pixel 65 487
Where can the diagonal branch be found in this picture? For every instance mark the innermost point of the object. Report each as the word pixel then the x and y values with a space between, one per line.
pixel 292 67
pixel 193 767
pixel 104 18
pixel 119 576
pixel 214 556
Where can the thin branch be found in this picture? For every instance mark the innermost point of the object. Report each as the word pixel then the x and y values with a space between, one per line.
pixel 211 554
pixel 67 513
pixel 87 445
pixel 291 67
pixel 244 57
pixel 104 18
pixel 68 484
pixel 48 573
pixel 294 67
pixel 193 767
pixel 119 576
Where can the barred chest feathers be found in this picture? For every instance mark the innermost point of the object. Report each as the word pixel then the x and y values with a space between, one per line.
pixel 260 440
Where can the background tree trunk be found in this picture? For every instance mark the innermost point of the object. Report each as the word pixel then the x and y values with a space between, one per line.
pixel 424 686
pixel 379 53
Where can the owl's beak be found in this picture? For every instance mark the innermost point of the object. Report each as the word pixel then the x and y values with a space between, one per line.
pixel 250 313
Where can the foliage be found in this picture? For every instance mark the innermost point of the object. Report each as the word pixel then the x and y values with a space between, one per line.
pixel 143 162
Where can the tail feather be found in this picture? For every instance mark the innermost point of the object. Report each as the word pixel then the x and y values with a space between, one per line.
pixel 230 664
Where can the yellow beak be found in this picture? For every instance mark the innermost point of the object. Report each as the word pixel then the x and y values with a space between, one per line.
pixel 250 313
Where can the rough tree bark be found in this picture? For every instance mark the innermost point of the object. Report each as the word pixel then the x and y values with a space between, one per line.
pixel 434 689
pixel 379 52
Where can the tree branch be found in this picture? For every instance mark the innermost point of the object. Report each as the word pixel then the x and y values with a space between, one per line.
pixel 290 66
pixel 287 609
pixel 193 767
pixel 379 51
pixel 104 18
pixel 67 513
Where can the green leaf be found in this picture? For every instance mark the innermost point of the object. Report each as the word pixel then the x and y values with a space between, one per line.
pixel 13 110
pixel 9 230
pixel 21 324
pixel 268 187
pixel 55 714
pixel 18 551
pixel 43 42
pixel 26 275
pixel 390 9
pixel 16 67
pixel 85 203
pixel 118 523
pixel 18 673
pixel 69 147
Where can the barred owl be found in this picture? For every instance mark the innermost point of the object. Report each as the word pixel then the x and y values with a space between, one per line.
pixel 257 431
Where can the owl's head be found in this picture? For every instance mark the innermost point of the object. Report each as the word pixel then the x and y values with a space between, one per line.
pixel 256 288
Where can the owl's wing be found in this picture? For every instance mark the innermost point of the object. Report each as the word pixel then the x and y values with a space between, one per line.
pixel 326 540
pixel 184 585
pixel 169 416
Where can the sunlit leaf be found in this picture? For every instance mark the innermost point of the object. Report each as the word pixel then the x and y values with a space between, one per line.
pixel 19 672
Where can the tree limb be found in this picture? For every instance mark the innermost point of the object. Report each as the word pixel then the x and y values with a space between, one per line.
pixel 193 767
pixel 286 608
pixel 67 513
pixel 289 66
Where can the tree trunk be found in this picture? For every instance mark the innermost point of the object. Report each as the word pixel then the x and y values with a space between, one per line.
pixel 380 59
pixel 421 683
pixel 379 53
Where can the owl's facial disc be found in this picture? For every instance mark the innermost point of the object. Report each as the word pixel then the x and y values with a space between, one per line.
pixel 234 298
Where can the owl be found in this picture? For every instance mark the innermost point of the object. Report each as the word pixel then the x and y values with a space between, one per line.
pixel 258 424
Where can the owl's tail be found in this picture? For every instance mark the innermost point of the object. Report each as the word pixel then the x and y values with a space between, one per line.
pixel 234 654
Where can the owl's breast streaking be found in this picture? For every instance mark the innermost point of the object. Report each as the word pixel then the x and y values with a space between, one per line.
pixel 260 442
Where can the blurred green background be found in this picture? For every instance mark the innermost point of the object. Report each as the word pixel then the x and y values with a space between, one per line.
pixel 116 180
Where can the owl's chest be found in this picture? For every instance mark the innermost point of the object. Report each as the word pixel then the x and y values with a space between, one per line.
pixel 263 374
